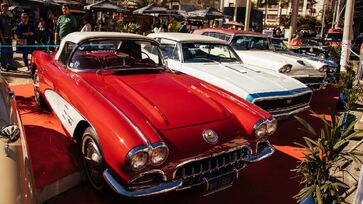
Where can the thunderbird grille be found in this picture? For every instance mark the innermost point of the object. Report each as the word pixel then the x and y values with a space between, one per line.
pixel 193 173
pixel 315 83
pixel 288 103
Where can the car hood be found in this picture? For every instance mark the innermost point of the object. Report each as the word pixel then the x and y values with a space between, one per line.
pixel 316 62
pixel 163 99
pixel 273 60
pixel 241 79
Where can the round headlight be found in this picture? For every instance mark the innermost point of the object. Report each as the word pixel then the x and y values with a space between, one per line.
pixel 159 155
pixel 323 69
pixel 261 130
pixel 282 69
pixel 285 69
pixel 271 126
pixel 332 69
pixel 138 160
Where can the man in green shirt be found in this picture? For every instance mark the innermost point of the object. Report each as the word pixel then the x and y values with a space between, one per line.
pixel 66 24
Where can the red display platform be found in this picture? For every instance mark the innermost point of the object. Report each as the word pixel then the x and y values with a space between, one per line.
pixel 54 155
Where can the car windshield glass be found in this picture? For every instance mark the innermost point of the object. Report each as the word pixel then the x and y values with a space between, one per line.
pixel 334 36
pixel 116 53
pixel 250 43
pixel 278 44
pixel 208 52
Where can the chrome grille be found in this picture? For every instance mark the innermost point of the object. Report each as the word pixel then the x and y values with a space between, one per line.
pixel 193 173
pixel 284 103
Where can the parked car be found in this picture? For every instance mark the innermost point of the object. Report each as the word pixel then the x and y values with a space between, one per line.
pixel 15 172
pixel 310 46
pixel 143 129
pixel 215 62
pixel 318 62
pixel 257 50
pixel 334 37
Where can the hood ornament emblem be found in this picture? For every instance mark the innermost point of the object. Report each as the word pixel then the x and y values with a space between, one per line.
pixel 210 136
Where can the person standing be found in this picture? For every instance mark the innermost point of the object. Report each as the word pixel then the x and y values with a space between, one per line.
pixel 296 42
pixel 43 34
pixel 87 26
pixel 25 33
pixel 6 36
pixel 66 24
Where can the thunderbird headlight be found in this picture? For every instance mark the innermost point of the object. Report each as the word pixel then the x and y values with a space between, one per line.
pixel 271 126
pixel 138 158
pixel 323 69
pixel 159 155
pixel 285 69
pixel 332 69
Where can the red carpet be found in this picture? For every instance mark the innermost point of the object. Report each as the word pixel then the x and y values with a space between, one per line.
pixel 53 155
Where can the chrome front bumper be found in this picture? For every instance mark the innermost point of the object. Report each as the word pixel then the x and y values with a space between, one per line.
pixel 175 184
pixel 283 113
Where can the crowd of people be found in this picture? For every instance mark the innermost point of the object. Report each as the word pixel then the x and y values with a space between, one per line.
pixel 47 33
pixel 30 36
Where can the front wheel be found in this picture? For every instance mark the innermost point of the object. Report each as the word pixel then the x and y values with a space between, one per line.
pixel 39 100
pixel 93 160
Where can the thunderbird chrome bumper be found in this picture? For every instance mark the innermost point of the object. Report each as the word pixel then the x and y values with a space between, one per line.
pixel 207 173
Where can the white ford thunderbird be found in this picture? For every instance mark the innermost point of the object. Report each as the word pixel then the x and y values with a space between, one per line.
pixel 215 62
pixel 256 49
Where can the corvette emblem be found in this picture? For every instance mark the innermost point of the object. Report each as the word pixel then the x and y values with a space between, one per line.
pixel 289 101
pixel 210 136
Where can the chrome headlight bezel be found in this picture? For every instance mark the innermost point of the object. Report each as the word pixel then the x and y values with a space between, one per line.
pixel 323 69
pixel 157 148
pixel 265 127
pixel 148 153
pixel 286 68
pixel 132 156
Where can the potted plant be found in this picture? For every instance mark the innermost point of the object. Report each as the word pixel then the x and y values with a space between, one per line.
pixel 324 154
pixel 349 94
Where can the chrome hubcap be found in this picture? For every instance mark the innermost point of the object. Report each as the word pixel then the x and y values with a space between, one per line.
pixel 36 87
pixel 93 163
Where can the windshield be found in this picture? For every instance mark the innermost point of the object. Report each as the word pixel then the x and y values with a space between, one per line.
pixel 208 52
pixel 116 53
pixel 334 37
pixel 250 43
pixel 278 44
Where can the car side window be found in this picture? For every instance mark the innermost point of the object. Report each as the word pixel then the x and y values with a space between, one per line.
pixel 66 53
pixel 169 49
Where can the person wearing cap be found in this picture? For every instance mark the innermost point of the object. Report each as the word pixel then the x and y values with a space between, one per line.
pixel 7 25
pixel 66 24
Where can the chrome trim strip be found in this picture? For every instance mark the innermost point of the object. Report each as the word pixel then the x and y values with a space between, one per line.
pixel 161 188
pixel 280 97
pixel 278 116
pixel 149 172
pixel 123 115
pixel 266 152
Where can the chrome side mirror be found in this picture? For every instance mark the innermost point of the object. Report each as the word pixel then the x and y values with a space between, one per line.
pixel 10 133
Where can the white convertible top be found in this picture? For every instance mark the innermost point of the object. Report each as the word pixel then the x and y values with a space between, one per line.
pixel 187 37
pixel 77 37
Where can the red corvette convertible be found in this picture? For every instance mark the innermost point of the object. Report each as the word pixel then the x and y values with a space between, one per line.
pixel 144 129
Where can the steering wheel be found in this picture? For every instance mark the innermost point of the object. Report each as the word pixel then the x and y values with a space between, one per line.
pixel 222 55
